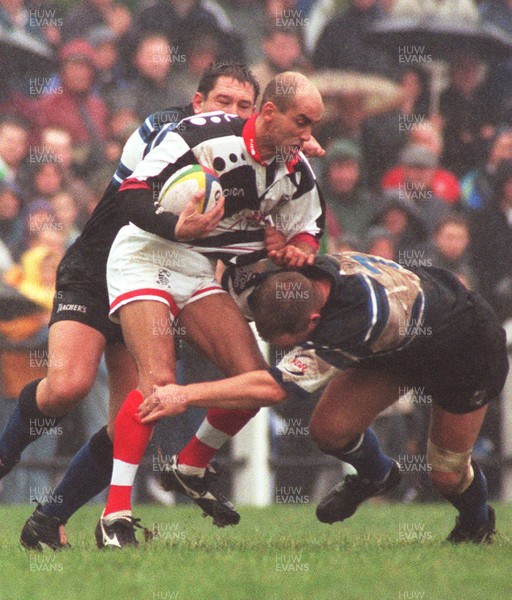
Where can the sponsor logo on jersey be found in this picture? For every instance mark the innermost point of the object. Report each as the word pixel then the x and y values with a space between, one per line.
pixel 73 307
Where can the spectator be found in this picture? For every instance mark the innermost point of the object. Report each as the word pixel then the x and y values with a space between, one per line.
pixel 13 146
pixel 419 165
pixel 11 221
pixel 349 205
pixel 465 116
pixel 66 213
pixel 57 144
pixel 151 86
pixel 90 14
pixel 342 43
pixel 46 179
pixel 445 184
pixel 384 136
pixel 106 60
pixel 403 221
pixel 283 50
pixel 380 242
pixel 478 185
pixel 491 243
pixel 179 21
pixel 449 249
pixel 77 109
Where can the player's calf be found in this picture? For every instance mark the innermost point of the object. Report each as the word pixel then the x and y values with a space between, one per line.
pixel 462 483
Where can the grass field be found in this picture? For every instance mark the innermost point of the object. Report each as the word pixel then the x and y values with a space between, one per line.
pixel 278 553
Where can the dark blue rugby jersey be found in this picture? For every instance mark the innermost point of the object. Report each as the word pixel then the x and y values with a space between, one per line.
pixel 375 308
pixel 253 190
pixel 90 250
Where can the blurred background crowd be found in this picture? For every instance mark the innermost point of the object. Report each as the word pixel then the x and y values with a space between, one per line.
pixel 418 164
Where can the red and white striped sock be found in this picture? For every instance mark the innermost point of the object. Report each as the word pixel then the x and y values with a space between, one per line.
pixel 219 426
pixel 131 438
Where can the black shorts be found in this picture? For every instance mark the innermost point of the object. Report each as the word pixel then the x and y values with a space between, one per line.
pixel 84 300
pixel 461 365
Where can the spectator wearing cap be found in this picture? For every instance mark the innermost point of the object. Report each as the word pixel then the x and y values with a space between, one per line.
pixel 74 106
pixel 419 165
pixel 349 205
pixel 444 183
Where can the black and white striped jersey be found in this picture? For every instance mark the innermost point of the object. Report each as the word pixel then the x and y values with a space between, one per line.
pixel 253 190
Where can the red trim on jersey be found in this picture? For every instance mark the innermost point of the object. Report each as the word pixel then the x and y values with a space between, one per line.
pixel 308 238
pixel 249 136
pixel 133 184
pixel 147 292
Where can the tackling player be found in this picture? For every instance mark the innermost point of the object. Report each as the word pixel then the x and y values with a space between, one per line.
pixel 80 330
pixel 262 173
pixel 369 329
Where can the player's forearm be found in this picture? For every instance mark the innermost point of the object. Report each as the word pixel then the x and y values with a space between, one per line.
pixel 137 206
pixel 248 391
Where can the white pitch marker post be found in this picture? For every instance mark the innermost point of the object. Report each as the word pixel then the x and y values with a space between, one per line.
pixel 506 424
pixel 252 482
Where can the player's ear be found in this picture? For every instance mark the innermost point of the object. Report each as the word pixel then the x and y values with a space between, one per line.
pixel 268 110
pixel 314 319
pixel 197 102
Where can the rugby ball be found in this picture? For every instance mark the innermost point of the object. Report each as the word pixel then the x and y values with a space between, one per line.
pixel 181 186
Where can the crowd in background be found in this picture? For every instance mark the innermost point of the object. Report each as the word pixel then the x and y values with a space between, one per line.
pixel 408 175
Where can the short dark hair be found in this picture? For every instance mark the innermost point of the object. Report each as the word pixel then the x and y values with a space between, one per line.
pixel 237 71
pixel 283 303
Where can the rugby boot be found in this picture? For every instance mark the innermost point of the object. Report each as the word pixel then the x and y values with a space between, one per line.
pixel 343 500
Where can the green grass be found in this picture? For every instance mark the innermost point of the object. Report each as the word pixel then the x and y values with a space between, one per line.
pixel 278 553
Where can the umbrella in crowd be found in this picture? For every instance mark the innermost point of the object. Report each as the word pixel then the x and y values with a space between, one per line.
pixel 429 37
pixel 419 41
pixel 23 55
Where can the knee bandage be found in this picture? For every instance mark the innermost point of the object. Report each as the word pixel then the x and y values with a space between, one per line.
pixel 446 461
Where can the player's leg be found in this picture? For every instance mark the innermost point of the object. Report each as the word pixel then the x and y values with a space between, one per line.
pixel 456 476
pixel 340 426
pixel 90 471
pixel 155 360
pixel 216 327
pixel 74 351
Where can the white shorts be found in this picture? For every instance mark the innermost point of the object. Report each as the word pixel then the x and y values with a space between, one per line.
pixel 143 266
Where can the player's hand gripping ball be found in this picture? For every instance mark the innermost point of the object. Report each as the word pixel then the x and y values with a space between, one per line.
pixel 179 189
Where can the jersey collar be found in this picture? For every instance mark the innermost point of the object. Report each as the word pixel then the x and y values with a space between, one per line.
pixel 249 137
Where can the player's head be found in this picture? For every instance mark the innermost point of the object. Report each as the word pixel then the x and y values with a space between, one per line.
pixel 229 87
pixel 286 308
pixel 290 106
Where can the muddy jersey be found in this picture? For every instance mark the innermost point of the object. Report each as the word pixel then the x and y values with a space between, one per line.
pixel 376 310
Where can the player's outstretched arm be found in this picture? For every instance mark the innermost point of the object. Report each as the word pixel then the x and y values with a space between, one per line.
pixel 247 391
pixel 192 224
